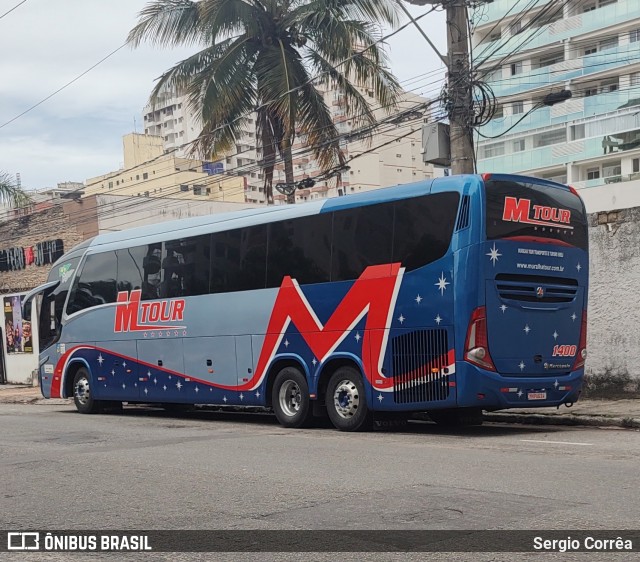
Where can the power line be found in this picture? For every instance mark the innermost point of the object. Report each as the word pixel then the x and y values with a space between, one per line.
pixel 62 87
pixel 14 8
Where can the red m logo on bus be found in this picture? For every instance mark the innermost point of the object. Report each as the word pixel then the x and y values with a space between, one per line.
pixel 132 315
pixel 373 294
pixel 519 210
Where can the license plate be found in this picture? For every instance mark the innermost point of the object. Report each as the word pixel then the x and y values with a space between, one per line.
pixel 537 395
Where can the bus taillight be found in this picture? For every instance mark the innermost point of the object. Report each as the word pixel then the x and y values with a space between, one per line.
pixel 477 344
pixel 582 346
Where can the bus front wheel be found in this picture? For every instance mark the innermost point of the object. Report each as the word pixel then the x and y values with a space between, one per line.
pixel 82 396
pixel 346 401
pixel 290 398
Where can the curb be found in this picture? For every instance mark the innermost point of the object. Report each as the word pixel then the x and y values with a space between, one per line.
pixel 571 419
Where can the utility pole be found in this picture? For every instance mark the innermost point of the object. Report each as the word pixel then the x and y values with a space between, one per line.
pixel 459 102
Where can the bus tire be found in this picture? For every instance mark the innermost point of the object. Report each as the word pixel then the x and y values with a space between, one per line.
pixel 346 401
pixel 84 401
pixel 457 417
pixel 290 398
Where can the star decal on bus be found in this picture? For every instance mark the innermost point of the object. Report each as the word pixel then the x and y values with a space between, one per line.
pixel 494 255
pixel 442 284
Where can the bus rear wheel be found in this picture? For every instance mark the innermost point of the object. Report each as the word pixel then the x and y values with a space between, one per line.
pixel 290 398
pixel 82 396
pixel 346 401
pixel 458 417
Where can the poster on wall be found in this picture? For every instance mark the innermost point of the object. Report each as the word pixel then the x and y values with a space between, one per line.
pixel 17 330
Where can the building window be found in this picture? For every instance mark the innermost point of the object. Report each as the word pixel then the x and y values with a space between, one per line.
pixel 590 50
pixel 516 68
pixel 517 107
pixel 593 173
pixel 518 146
pixel 610 85
pixel 612 169
pixel 590 92
pixel 551 137
pixel 110 184
pixel 589 7
pixel 492 150
pixel 398 155
pixel 198 190
pixel 634 79
pixel 577 132
pixel 184 187
pixel 515 27
pixel 145 176
pixel 610 43
pixel 635 164
pixel 634 35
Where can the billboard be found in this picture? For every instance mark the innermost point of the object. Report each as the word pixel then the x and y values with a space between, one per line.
pixel 17 331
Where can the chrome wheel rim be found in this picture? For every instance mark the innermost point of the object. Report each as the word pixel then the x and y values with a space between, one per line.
pixel 82 392
pixel 290 398
pixel 346 399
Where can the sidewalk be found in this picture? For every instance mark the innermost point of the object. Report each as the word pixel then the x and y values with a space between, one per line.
pixel 612 413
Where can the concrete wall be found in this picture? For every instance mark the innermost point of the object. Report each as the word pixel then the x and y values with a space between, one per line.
pixel 613 340
pixel 72 222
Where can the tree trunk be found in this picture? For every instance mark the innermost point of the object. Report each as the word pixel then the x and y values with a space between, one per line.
pixel 288 168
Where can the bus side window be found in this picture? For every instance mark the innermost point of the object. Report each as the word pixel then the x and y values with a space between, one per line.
pixel 239 259
pixel 300 248
pixel 423 228
pixel 131 268
pixel 361 237
pixel 96 283
pixel 185 267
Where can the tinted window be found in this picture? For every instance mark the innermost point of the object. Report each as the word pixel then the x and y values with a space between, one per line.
pixel 361 237
pixel 96 284
pixel 239 259
pixel 519 209
pixel 300 248
pixel 130 270
pixel 185 267
pixel 423 227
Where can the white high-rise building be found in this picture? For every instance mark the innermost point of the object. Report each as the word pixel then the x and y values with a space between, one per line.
pixel 391 156
pixel 589 47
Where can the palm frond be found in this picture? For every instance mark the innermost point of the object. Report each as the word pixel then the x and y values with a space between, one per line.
pixel 10 193
pixel 168 23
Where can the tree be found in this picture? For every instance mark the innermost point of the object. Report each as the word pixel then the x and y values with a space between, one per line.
pixel 10 193
pixel 271 56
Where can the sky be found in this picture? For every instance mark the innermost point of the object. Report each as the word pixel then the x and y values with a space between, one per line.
pixel 77 134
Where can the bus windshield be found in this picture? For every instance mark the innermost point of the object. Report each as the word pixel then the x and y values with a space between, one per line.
pixel 522 210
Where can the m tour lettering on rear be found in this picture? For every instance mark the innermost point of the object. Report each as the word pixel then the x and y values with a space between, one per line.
pixel 522 211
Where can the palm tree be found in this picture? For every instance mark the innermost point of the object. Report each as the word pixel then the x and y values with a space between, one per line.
pixel 271 57
pixel 10 193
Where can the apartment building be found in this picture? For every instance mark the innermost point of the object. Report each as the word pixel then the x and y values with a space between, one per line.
pixel 392 156
pixel 149 171
pixel 592 48
pixel 172 119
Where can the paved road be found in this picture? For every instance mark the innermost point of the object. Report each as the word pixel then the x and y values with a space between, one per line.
pixel 209 470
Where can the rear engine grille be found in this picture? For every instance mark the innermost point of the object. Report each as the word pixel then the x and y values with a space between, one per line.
pixel 415 356
pixel 536 288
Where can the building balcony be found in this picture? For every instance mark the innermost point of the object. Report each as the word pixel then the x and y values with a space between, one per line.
pixel 615 14
pixel 562 153
pixel 617 57
pixel 590 108
pixel 500 9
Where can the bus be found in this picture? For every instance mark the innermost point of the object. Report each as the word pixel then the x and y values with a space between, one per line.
pixel 450 296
